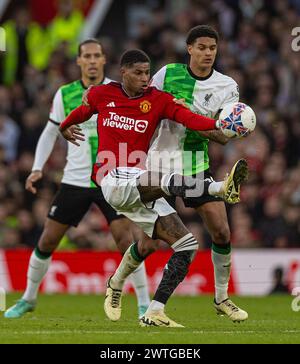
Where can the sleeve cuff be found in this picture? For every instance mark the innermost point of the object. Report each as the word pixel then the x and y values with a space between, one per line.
pixel 54 122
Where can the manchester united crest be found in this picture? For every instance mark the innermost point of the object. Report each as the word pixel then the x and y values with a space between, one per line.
pixel 145 106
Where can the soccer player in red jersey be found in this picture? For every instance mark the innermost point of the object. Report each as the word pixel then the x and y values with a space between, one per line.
pixel 128 114
pixel 76 193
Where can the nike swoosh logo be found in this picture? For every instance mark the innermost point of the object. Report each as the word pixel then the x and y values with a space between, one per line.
pixel 164 322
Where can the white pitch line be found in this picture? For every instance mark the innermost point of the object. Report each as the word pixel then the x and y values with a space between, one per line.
pixel 56 332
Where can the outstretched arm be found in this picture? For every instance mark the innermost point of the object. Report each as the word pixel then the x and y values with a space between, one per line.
pixel 214 135
pixel 184 116
pixel 79 115
pixel 68 127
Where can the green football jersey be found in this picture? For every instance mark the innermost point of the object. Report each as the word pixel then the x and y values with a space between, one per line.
pixel 186 148
pixel 79 159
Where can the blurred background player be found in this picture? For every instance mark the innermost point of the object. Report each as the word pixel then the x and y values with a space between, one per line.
pixel 280 286
pixel 26 45
pixel 206 92
pixel 77 192
pixel 66 26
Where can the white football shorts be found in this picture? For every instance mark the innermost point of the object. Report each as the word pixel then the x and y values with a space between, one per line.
pixel 119 188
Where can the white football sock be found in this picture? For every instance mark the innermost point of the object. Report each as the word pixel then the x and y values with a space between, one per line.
pixel 222 264
pixel 127 265
pixel 37 270
pixel 139 281
pixel 155 306
pixel 215 188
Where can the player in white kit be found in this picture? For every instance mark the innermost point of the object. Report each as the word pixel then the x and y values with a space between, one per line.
pixel 206 92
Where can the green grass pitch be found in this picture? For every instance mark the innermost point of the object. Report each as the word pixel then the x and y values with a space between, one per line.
pixel 80 319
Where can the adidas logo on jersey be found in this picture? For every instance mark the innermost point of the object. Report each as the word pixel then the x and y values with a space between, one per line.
pixel 111 104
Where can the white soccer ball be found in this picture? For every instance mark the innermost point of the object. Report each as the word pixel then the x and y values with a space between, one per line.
pixel 237 120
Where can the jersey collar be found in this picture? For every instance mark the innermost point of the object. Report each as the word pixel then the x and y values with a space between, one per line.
pixel 131 97
pixel 192 74
pixel 100 83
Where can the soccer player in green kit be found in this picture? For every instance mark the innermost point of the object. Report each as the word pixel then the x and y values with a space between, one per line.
pixel 76 193
pixel 205 91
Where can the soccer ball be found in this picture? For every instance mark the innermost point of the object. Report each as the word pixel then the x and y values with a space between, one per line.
pixel 237 120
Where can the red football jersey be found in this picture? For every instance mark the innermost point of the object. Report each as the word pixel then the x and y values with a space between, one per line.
pixel 126 124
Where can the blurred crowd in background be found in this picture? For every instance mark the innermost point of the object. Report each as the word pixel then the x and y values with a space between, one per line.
pixel 255 50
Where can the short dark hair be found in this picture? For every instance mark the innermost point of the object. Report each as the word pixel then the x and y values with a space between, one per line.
pixel 132 56
pixel 201 31
pixel 87 41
